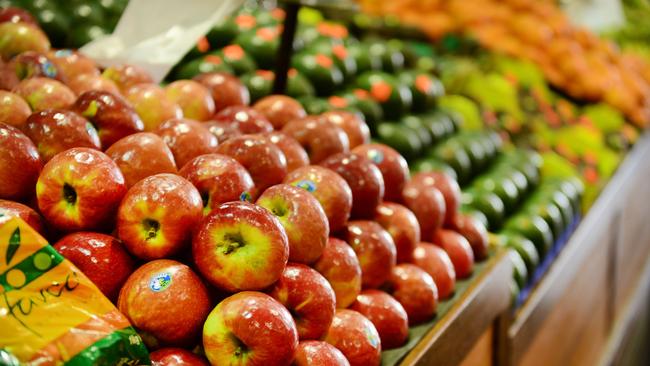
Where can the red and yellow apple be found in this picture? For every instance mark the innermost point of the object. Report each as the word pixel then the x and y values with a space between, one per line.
pixel 13 109
pixel 354 127
pixel 447 186
pixel 194 99
pixel 319 138
pixel 356 337
pixel 310 353
pixel 176 356
pixel 340 266
pixel 20 164
pixel 20 37
pixel 374 248
pixel 152 104
pixel 186 139
pixel 280 109
pixel 415 289
pixel 428 205
pixel 226 89
pixel 244 119
pixel 10 209
pixel 459 250
pixel 125 76
pixel 474 231
pixel 392 165
pixel 83 83
pixel 436 262
pixel 386 314
pixel 403 227
pixel 294 153
pixel 45 93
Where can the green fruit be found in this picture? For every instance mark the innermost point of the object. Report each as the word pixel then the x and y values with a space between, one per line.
pixel 259 84
pixel 475 151
pixel 314 105
pixel 573 188
pixel 87 12
pixel 532 175
pixel 84 33
pixel 426 89
pixel 234 56
pixel 339 53
pixel 208 63
pixel 456 118
pixel 320 70
pixel 223 33
pixel 392 59
pixel 550 213
pixel 400 138
pixel 395 98
pixel 261 44
pixel 431 165
pixel 502 187
pixel 437 126
pixel 525 248
pixel 520 273
pixel 426 64
pixel 489 204
pixel 360 99
pixel 417 124
pixel 565 206
pixel 453 155
pixel 360 53
pixel 478 215
pixel 55 24
pixel 299 86
pixel 533 228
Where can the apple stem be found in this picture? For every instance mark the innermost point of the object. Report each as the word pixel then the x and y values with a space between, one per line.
pixel 232 242
pixel 69 194
pixel 151 227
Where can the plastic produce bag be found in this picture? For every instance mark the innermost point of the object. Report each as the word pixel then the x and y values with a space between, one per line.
pixel 51 313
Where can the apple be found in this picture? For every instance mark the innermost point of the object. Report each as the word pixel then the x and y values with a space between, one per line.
pixel 374 248
pixel 176 356
pixel 245 119
pixel 166 301
pixel 303 220
pixel 82 83
pixel 474 231
pixel 386 314
pixel 141 155
pixel 340 266
pixel 392 165
pixel 194 99
pixel 157 216
pixel 20 164
pixel 308 297
pixel 436 262
pixel 8 78
pixel 250 328
pixel 356 337
pixel 264 161
pixel 54 131
pixel 280 109
pixel 152 105
pixel 110 114
pixel 102 258
pixel 72 64
pixel 240 246
pixel 403 227
pixel 30 64
pixel 222 130
pixel 16 15
pixel 13 109
pixel 364 179
pixel 459 250
pixel 354 127
pixel 125 76
pixel 319 138
pixel 226 89
pixel 294 153
pixel 416 290
pixel 219 179
pixel 80 189
pixel 428 205
pixel 447 186
pixel 20 37
pixel 186 139
pixel 311 353
pixel 10 209
pixel 45 93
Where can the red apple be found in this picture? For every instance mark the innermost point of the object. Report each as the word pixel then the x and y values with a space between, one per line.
pixel 223 131
pixel 244 119
pixel 20 37
pixel 250 328
pixel 374 248
pixel 72 64
pixel 152 105
pixel 240 246
pixel 20 164
pixel 475 233
pixel 428 205
pixel 392 165
pixel 386 314
pixel 16 15
pixel 54 131
pixel 447 186
pixel 111 115
pixel 157 216
pixel 30 64
pixel 364 179
pixel 319 138
pixel 194 99
pixel 125 76
pixel 10 209
pixel 294 153
pixel 13 109
pixel 459 250
pixel 226 89
pixel 436 262
pixel 309 298
pixel 356 337
pixel 166 301
pixel 415 290
pixel 264 161
pixel 45 93
pixel 340 266
pixel 88 82
pixel 141 155
pixel 175 357
pixel 329 188
pixel 310 353
pixel 280 109
pixel 8 78
pixel 102 258
pixel 186 139
pixel 403 227
pixel 303 220
pixel 354 127
pixel 80 189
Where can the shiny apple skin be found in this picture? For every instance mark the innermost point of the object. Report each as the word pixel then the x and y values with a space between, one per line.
pixel 354 127
pixel 157 216
pixel 329 188
pixel 170 313
pixel 415 289
pixel 72 64
pixel 176 357
pixel 309 298
pixel 194 99
pixel 54 131
pixel 244 119
pixel 303 220
pixel 386 314
pixel 364 179
pixel 125 76
pixel 403 227
pixel 98 186
pixel 223 131
pixel 428 205
pixel 186 139
pixel 436 262
pixel 102 258
pixel 219 179
pixel 10 209
pixel 152 105
pixel 474 231
pixel 374 248
pixel 447 186
pixel 459 250
pixel 356 337
pixel 112 115
pixel 264 161
pixel 30 64
pixel 226 89
pixel 16 15
pixel 8 78
pixel 280 109
pixel 13 109
pixel 20 37
pixel 250 328
pixel 294 153
pixel 240 246
pixel 340 266
pixel 45 93
pixel 83 83
pixel 141 155
pixel 319 138
pixel 20 164
pixel 311 353
pixel 392 165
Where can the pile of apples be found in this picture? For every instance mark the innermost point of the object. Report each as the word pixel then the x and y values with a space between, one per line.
pixel 315 245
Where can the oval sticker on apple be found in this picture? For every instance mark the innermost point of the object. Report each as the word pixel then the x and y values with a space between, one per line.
pixel 245 196
pixel 160 282
pixel 376 156
pixel 307 185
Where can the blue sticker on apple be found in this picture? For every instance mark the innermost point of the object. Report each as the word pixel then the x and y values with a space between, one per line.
pixel 245 196
pixel 49 70
pixel 307 185
pixel 63 53
pixel 160 282
pixel 376 156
